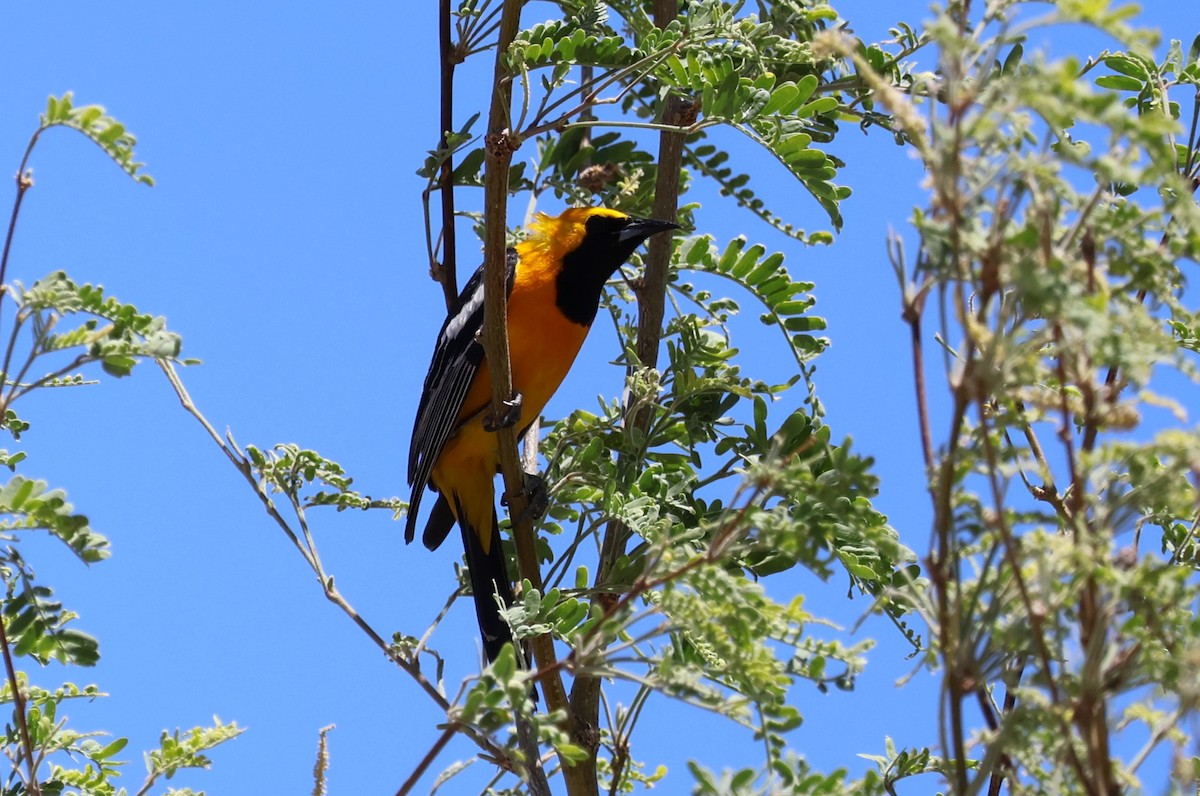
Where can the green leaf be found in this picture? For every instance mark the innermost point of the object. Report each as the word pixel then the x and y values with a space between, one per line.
pixel 781 99
pixel 180 750
pixel 1120 83
pixel 36 624
pixel 818 107
pixel 106 132
pixel 26 504
pixel 1128 65
pixel 129 337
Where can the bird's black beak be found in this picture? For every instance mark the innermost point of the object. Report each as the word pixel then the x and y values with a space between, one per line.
pixel 638 229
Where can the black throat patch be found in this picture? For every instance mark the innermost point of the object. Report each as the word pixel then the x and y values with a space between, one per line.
pixel 586 269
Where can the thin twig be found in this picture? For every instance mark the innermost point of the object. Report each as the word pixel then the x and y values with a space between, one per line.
pixel 729 531
pixel 9 350
pixel 589 92
pixel 449 732
pixel 19 711
pixel 912 316
pixel 243 466
pixel 24 183
pixel 1010 702
pixel 1011 555
pixel 527 741
pixel 424 641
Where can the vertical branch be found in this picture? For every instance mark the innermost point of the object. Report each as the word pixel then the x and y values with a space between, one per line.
pixel 651 293
pixel 943 568
pixel 651 296
pixel 1091 710
pixel 24 183
pixel 500 144
pixel 447 271
pixel 912 315
pixel 19 708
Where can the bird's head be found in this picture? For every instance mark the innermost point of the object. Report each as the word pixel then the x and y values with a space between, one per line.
pixel 586 245
pixel 602 237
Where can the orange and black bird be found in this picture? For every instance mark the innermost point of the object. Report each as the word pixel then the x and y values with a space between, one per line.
pixel 555 278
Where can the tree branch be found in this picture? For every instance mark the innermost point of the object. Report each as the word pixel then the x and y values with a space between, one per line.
pixel 585 693
pixel 499 145
pixel 447 271
pixel 19 711
pixel 243 466
pixel 24 183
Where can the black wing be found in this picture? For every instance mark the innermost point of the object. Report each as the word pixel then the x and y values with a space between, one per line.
pixel 456 359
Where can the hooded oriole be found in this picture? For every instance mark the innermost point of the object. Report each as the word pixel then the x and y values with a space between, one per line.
pixel 555 278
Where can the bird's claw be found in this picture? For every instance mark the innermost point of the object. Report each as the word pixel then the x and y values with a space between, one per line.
pixel 494 421
pixel 536 497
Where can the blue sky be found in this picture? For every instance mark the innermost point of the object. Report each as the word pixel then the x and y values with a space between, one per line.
pixel 284 242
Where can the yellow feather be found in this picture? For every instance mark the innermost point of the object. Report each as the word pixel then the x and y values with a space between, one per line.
pixel 551 237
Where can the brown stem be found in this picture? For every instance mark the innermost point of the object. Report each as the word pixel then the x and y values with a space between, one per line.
pixel 989 717
pixel 24 183
pixel 1091 710
pixel 233 453
pixel 426 761
pixel 1049 490
pixel 1012 557
pixel 499 148
pixel 587 76
pixel 447 271
pixel 912 316
pixel 652 298
pixel 942 561
pixel 500 143
pixel 585 693
pixel 19 710
pixel 1010 702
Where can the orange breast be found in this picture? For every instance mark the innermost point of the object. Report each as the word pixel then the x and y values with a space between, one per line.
pixel 543 345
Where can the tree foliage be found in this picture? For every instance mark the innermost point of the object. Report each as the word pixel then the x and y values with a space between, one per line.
pixel 673 506
pixel 1060 216
pixel 55 332
pixel 1051 260
pixel 1053 340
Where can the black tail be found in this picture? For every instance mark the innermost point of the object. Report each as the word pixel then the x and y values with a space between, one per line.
pixel 489 577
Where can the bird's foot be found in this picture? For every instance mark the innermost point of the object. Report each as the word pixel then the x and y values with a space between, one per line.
pixel 536 497
pixel 494 421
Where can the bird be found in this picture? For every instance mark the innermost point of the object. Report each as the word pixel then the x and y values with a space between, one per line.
pixel 555 278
